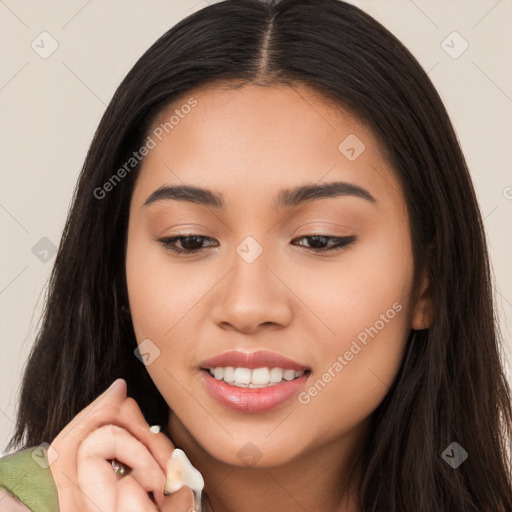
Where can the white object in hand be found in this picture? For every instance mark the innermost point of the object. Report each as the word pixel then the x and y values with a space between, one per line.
pixel 180 472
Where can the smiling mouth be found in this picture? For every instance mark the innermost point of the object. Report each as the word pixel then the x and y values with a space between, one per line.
pixel 254 377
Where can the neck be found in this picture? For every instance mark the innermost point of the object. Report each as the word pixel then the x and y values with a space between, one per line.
pixel 322 478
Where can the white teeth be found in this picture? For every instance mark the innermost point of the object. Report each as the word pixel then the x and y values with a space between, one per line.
pixel 276 375
pixel 229 374
pixel 254 378
pixel 242 375
pixel 260 376
pixel 289 374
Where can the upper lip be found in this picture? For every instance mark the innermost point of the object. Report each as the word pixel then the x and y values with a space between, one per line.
pixel 259 359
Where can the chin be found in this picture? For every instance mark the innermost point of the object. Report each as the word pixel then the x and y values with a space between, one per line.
pixel 260 450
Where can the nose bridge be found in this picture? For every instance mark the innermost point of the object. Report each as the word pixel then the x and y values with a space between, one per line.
pixel 251 294
pixel 250 264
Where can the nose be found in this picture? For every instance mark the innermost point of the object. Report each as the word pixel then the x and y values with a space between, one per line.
pixel 251 297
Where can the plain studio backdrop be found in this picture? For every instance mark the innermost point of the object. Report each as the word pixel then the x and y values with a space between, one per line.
pixel 62 62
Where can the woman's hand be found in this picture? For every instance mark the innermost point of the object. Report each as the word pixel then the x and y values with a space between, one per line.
pixel 113 426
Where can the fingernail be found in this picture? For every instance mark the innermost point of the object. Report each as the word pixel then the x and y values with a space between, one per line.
pixel 155 428
pixel 114 384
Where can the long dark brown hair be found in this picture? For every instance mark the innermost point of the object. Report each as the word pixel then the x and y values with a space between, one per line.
pixel 451 385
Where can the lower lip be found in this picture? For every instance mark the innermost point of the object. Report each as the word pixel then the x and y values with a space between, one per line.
pixel 252 400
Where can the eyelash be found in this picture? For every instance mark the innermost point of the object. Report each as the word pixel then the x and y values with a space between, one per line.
pixel 343 242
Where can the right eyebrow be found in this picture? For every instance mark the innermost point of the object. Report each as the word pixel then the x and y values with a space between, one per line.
pixel 187 193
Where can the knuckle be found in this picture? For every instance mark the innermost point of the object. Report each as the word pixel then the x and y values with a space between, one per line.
pixel 113 430
pixel 106 410
pixel 115 433
pixel 131 402
pixel 134 419
pixel 101 414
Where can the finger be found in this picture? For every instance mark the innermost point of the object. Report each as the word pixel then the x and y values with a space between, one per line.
pixel 64 467
pixel 108 442
pixel 105 413
pixel 180 501
pixel 65 445
pixel 114 395
pixel 132 498
pixel 161 446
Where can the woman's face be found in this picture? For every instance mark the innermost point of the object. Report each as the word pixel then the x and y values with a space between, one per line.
pixel 257 285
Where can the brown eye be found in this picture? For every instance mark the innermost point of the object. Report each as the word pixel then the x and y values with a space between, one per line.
pixel 320 243
pixel 189 243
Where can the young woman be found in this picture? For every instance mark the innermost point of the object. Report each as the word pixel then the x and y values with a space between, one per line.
pixel 276 244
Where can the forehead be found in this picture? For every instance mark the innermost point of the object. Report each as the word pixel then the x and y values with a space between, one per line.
pixel 260 138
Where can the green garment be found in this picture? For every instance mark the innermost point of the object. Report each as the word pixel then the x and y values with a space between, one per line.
pixel 26 475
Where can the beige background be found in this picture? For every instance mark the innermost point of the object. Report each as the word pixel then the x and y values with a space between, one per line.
pixel 50 108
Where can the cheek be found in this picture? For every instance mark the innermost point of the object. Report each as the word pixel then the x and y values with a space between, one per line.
pixel 368 313
pixel 357 375
pixel 162 298
pixel 350 291
pixel 160 293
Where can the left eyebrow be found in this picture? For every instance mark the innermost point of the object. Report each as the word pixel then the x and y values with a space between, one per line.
pixel 285 199
pixel 302 194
